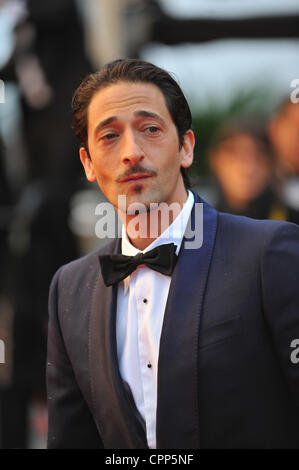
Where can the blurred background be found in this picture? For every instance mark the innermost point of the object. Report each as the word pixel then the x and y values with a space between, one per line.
pixel 238 65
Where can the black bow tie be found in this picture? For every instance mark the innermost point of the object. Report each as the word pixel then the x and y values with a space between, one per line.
pixel 115 268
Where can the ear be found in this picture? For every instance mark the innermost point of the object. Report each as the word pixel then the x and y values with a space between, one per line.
pixel 88 165
pixel 187 149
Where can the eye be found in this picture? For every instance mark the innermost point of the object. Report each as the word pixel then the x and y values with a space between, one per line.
pixel 109 136
pixel 152 129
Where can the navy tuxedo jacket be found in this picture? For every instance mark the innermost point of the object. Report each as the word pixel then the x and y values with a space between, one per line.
pixel 226 377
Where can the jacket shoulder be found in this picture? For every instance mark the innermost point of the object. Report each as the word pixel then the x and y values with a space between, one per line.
pixel 243 238
pixel 82 270
pixel 258 231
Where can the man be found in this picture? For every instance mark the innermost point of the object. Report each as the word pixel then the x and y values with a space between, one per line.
pixel 243 164
pixel 283 130
pixel 241 160
pixel 188 345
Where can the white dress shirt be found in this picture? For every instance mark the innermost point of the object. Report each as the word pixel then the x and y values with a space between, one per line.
pixel 141 301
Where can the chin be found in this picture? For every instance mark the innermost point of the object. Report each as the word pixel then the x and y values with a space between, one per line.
pixel 138 207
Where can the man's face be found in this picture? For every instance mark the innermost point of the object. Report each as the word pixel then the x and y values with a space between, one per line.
pixel 134 147
pixel 242 168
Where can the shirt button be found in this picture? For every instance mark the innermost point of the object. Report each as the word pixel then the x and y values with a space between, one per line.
pixel 149 365
pixel 145 301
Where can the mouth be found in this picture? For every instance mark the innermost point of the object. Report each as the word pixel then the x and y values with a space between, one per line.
pixel 135 178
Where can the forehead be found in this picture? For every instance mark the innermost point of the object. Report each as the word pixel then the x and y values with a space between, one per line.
pixel 237 139
pixel 240 142
pixel 293 112
pixel 125 98
pixel 289 112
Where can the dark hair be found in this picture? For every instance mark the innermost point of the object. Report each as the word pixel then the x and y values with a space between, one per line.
pixel 132 70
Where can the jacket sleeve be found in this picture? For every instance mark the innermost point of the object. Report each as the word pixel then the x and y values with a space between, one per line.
pixel 70 422
pixel 280 284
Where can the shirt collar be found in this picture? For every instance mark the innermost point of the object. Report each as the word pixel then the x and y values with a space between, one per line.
pixel 173 234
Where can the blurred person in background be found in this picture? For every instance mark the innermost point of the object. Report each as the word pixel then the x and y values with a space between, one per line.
pixel 47 62
pixel 242 161
pixel 283 129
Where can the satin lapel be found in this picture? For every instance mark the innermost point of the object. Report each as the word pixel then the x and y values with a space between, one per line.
pixel 177 408
pixel 116 419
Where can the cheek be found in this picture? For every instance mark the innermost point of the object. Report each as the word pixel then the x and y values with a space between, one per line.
pixel 102 177
pixel 171 161
pixel 224 169
pixel 103 169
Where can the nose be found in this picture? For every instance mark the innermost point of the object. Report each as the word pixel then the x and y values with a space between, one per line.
pixel 131 151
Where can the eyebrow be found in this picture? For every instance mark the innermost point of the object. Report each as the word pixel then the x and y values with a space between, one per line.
pixel 104 123
pixel 149 114
pixel 141 113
